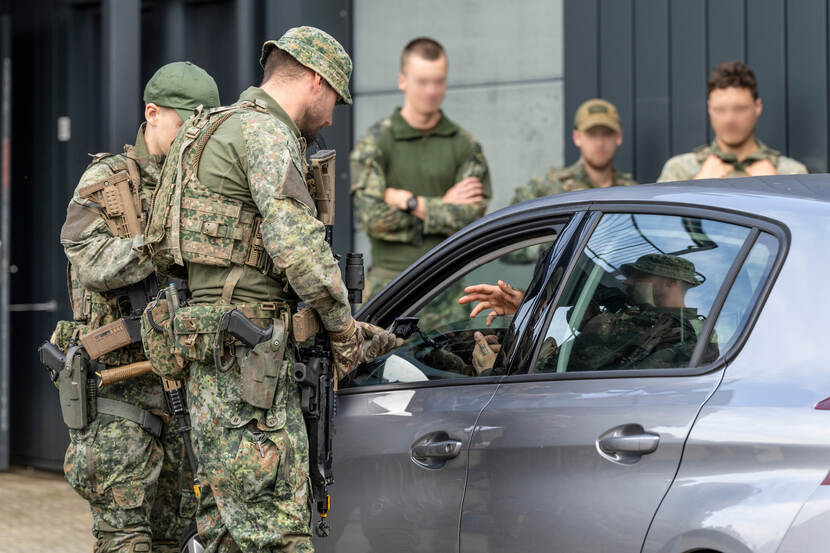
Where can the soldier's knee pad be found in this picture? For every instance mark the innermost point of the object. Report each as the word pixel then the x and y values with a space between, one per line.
pixel 115 542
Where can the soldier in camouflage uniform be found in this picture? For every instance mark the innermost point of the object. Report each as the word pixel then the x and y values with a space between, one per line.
pixel 133 472
pixel 597 133
pixel 245 225
pixel 654 330
pixel 734 108
pixel 417 177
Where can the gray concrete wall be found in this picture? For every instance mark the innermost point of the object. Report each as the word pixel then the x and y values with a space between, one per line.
pixel 505 80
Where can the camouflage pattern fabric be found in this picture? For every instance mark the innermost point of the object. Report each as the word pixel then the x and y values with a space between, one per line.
pixel 254 463
pixel 254 460
pixel 380 220
pixel 137 486
pixel 376 279
pixel 318 51
pixel 686 166
pixel 648 338
pixel 568 179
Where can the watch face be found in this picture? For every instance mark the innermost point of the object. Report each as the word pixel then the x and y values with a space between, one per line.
pixel 412 204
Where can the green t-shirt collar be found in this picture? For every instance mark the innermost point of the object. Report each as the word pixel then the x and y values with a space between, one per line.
pixel 271 106
pixel 401 130
pixel 762 152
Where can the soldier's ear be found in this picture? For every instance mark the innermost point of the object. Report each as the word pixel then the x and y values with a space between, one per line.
pixel 151 113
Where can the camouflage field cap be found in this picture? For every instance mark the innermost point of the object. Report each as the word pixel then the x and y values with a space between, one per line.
pixel 182 86
pixel 597 112
pixel 664 265
pixel 318 51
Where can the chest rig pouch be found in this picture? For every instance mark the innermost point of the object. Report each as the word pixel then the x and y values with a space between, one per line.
pixel 189 222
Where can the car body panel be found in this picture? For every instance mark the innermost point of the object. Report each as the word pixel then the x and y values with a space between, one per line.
pixel 382 499
pixel 759 448
pixel 537 480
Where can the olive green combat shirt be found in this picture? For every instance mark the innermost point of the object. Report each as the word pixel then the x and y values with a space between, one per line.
pixel 686 166
pixel 567 179
pixel 248 157
pixel 426 163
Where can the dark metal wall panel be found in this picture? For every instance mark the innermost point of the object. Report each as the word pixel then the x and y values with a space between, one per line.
pixel 807 82
pixel 726 30
pixel 616 70
pixel 676 44
pixel 651 70
pixel 689 69
pixel 766 53
pixel 582 59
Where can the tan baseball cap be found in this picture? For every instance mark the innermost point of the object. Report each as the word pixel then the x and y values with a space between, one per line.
pixel 597 112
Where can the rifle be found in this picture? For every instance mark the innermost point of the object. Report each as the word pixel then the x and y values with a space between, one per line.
pixel 174 395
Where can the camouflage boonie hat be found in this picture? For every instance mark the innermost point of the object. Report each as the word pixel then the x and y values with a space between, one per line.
pixel 597 112
pixel 318 51
pixel 183 86
pixel 664 265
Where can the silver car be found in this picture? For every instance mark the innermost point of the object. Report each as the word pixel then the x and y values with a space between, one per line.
pixel 662 387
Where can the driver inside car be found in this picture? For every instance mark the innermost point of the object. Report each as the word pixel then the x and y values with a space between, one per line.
pixel 653 329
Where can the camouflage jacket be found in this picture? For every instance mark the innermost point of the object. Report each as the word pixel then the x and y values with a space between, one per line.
pixel 566 179
pixel 686 166
pixel 393 154
pixel 100 261
pixel 256 159
pixel 639 338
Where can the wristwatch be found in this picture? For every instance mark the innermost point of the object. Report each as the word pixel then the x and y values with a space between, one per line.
pixel 411 204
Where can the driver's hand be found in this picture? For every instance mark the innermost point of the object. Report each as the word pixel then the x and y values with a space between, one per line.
pixel 502 299
pixel 485 351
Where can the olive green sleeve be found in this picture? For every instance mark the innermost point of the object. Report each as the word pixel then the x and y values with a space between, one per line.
pixel 374 216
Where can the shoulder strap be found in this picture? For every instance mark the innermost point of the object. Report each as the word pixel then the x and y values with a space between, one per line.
pixel 135 180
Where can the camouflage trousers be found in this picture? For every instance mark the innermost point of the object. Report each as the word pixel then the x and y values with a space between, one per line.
pixel 253 465
pixel 137 486
pixel 376 279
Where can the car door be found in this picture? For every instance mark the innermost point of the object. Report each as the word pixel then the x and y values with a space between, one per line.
pixel 581 441
pixel 404 421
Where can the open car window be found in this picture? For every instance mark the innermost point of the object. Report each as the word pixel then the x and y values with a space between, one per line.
pixel 442 346
pixel 642 290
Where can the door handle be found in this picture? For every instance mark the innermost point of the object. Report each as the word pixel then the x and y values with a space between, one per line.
pixel 433 450
pixel 643 444
pixel 627 443
pixel 445 449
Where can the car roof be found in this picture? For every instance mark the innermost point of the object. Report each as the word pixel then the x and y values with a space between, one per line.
pixel 782 197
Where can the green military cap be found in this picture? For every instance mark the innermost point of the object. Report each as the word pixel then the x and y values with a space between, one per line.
pixel 182 86
pixel 597 112
pixel 318 51
pixel 664 265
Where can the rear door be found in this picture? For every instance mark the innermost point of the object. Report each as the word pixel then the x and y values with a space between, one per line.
pixel 404 421
pixel 580 443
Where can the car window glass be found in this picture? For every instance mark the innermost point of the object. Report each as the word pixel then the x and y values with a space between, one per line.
pixel 639 294
pixel 745 291
pixel 442 348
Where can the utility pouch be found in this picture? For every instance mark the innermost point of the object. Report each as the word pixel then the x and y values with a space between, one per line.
pixel 306 324
pixel 111 337
pixel 156 337
pixel 260 367
pixel 72 387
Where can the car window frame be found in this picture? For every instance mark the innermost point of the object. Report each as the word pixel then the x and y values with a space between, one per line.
pixel 754 223
pixel 532 228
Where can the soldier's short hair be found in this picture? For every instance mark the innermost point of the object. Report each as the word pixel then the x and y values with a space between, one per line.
pixel 281 64
pixel 732 74
pixel 424 47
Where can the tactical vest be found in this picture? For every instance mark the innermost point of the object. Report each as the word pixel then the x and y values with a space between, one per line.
pixel 203 226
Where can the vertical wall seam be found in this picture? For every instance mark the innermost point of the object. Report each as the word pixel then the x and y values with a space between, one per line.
pixel 599 92
pixel 669 87
pixel 786 21
pixel 632 22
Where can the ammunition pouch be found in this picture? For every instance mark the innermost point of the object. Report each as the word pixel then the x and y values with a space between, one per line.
pixel 80 403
